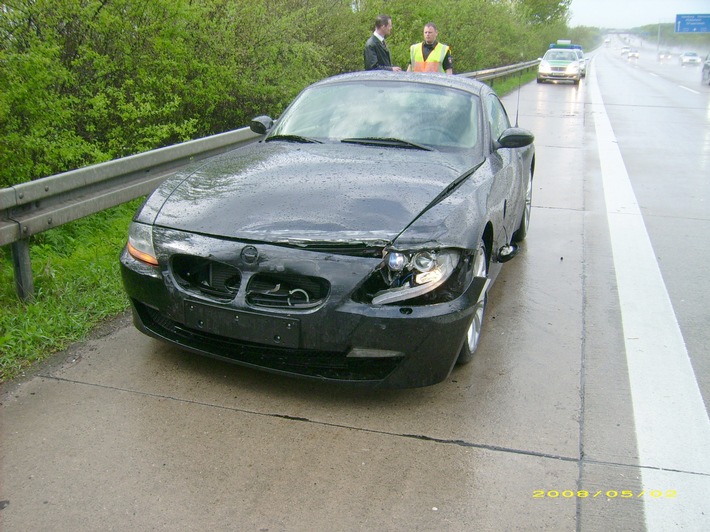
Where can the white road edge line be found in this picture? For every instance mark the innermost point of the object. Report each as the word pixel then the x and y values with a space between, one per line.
pixel 689 89
pixel 672 425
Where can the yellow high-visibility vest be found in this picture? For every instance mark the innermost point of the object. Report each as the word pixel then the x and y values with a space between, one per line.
pixel 434 62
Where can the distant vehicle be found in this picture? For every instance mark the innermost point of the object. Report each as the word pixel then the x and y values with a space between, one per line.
pixel 559 65
pixel 664 56
pixel 582 62
pixel 633 54
pixel 705 79
pixel 625 50
pixel 690 58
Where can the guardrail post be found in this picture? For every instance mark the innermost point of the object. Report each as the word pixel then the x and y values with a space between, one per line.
pixel 24 284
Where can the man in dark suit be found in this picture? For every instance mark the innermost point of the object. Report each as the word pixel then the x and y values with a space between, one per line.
pixel 377 56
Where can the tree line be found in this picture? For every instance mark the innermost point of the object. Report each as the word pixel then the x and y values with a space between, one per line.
pixel 88 81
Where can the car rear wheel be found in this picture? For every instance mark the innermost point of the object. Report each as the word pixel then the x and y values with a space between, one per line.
pixel 473 334
pixel 522 231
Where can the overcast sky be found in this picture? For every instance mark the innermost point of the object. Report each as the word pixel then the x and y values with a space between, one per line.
pixel 624 14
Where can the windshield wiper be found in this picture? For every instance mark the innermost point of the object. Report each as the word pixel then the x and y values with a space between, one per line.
pixel 293 138
pixel 387 141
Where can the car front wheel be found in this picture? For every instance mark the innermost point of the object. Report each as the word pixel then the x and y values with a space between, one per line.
pixel 473 335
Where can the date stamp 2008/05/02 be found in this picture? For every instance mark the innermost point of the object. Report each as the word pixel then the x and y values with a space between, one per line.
pixel 607 494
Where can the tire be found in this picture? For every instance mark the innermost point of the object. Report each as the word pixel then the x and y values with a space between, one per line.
pixel 539 80
pixel 473 334
pixel 522 231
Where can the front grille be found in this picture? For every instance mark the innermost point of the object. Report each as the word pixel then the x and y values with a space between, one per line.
pixel 315 364
pixel 206 276
pixel 343 248
pixel 286 291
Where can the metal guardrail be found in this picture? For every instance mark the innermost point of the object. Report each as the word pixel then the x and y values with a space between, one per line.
pixel 500 72
pixel 31 208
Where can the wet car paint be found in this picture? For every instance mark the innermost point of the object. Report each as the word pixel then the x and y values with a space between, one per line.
pixel 308 201
pixel 322 214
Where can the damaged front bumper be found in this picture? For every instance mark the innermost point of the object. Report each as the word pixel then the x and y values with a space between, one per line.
pixel 294 312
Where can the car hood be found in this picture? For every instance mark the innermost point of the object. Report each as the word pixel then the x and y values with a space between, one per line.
pixel 293 193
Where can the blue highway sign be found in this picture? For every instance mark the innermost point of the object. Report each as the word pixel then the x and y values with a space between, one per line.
pixel 692 23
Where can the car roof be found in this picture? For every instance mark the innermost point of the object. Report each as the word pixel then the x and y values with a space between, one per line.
pixel 441 80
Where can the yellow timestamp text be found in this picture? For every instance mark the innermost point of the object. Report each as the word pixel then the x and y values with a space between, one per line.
pixel 606 494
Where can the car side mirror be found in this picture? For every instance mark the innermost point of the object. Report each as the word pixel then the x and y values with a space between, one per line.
pixel 261 124
pixel 515 137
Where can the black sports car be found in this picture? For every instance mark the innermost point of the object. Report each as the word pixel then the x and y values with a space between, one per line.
pixel 355 242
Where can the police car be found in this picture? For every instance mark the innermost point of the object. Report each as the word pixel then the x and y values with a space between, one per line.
pixel 563 61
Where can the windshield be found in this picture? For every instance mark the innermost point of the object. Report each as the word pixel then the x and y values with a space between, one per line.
pixel 419 114
pixel 560 55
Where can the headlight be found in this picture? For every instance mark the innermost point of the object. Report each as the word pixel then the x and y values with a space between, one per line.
pixel 544 67
pixel 573 68
pixel 413 274
pixel 396 261
pixel 140 243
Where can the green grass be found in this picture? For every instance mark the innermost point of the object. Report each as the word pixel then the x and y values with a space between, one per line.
pixel 509 84
pixel 77 286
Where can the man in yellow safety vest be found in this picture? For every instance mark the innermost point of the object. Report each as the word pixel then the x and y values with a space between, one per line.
pixel 430 55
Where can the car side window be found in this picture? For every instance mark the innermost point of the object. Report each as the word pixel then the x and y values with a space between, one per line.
pixel 497 116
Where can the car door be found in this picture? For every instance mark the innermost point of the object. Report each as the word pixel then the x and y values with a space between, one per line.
pixel 506 196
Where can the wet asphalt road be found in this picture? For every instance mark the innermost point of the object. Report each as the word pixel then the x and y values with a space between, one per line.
pixel 545 429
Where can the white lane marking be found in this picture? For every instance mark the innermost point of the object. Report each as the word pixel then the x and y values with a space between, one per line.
pixel 672 425
pixel 689 89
